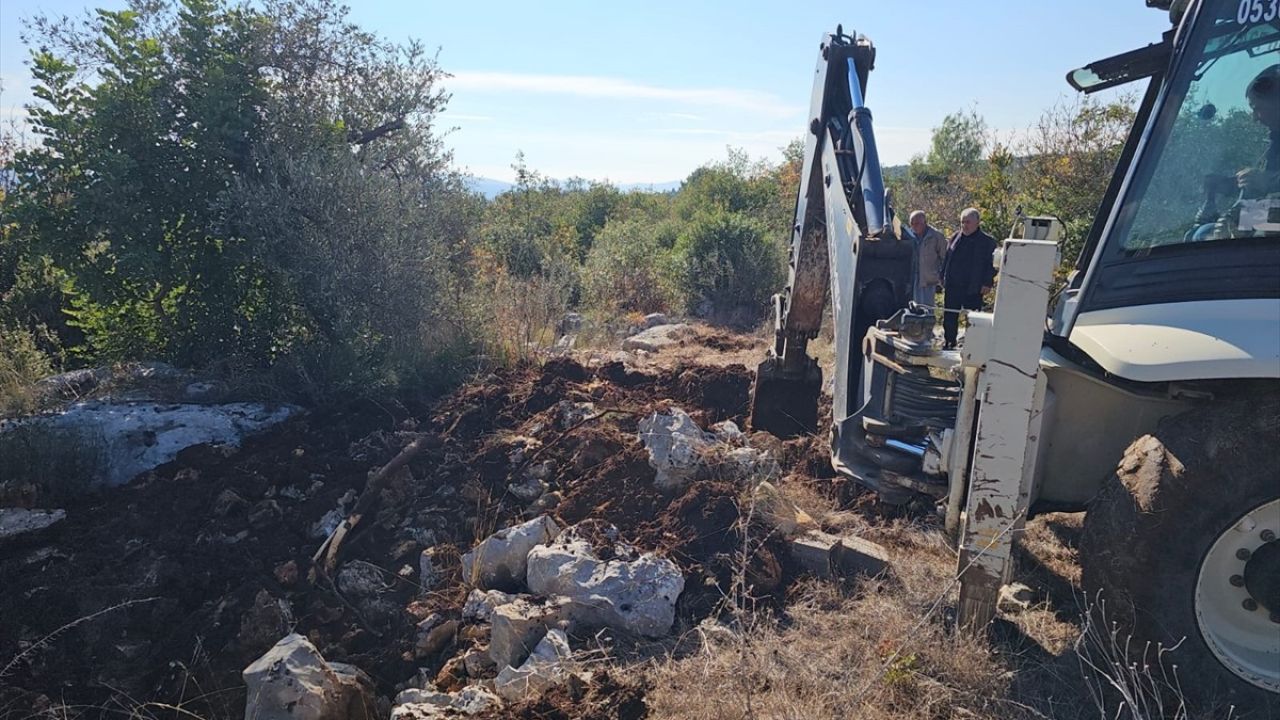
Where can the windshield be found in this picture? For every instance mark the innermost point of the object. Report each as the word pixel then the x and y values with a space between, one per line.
pixel 1216 147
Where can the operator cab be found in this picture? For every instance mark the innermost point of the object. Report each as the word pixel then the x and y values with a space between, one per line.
pixel 1180 277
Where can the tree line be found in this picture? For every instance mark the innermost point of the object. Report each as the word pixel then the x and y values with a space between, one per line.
pixel 262 189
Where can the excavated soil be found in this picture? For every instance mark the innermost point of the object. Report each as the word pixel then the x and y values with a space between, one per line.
pixel 163 590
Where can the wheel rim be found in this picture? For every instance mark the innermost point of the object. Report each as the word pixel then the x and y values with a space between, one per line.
pixel 1236 607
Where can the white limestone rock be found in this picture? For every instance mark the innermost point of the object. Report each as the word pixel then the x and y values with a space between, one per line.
pixel 20 521
pixel 480 604
pixel 292 681
pixel 130 438
pixel 547 666
pixel 637 595
pixel 519 626
pixel 499 561
pixel 677 447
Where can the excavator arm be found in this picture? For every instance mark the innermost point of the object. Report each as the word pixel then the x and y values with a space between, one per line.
pixel 845 247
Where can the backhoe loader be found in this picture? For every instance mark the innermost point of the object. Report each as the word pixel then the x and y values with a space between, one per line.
pixel 1144 389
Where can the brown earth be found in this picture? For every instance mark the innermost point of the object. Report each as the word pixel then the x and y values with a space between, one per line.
pixel 157 594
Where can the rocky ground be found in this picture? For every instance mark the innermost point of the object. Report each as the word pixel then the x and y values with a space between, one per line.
pixel 567 539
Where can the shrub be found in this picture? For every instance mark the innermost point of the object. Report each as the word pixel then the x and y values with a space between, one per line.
pixel 727 261
pixel 21 365
pixel 625 270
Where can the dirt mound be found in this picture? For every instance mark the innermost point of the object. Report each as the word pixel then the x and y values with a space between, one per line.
pixel 163 590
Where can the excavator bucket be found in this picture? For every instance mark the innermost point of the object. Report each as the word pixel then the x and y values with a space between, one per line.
pixel 786 403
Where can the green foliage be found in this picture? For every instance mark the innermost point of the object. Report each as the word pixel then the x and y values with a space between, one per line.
pixel 245 184
pixel 627 269
pixel 1061 169
pixel 717 244
pixel 727 259
pixel 21 364
pixel 957 147
pixel 1069 160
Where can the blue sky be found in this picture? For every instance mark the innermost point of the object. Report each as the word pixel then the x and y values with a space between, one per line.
pixel 647 92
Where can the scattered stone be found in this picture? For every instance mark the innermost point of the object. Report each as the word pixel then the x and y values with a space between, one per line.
pixel 433 634
pixel 480 604
pixel 518 626
pixel 19 521
pixel 264 513
pixel 429 572
pixel 677 447
pixel 826 555
pixel 429 705
pixel 478 663
pixel 653 320
pixel 266 620
pixel 569 413
pixel 499 562
pixel 654 339
pixel 1016 597
pixel 638 595
pixel 529 489
pixel 292 681
pixel 728 432
pixel 548 502
pixel 546 667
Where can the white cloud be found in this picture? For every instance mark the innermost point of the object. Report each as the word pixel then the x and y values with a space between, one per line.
pixel 620 89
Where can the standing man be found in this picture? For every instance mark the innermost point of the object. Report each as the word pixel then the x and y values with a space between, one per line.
pixel 931 253
pixel 967 274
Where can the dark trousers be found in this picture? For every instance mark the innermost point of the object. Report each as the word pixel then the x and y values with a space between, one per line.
pixel 955 300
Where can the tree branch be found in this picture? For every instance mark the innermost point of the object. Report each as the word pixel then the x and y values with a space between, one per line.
pixel 356 137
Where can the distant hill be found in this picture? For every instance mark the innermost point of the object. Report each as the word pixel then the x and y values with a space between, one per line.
pixel 488 187
pixel 652 187
pixel 491 188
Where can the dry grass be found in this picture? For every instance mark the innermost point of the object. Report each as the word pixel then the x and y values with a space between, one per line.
pixel 888 648
pixel 861 652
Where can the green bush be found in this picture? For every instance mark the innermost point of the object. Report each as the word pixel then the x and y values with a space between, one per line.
pixel 21 365
pixel 249 185
pixel 729 261
pixel 626 268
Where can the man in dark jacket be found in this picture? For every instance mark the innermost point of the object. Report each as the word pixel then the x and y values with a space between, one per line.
pixel 967 274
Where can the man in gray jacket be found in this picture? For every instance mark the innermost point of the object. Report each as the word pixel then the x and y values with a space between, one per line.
pixel 931 252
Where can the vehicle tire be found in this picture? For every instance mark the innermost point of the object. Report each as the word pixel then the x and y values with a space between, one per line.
pixel 1176 546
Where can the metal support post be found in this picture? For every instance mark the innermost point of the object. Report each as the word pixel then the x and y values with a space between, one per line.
pixel 1005 347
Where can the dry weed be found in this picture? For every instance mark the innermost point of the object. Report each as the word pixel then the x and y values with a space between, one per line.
pixel 873 651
